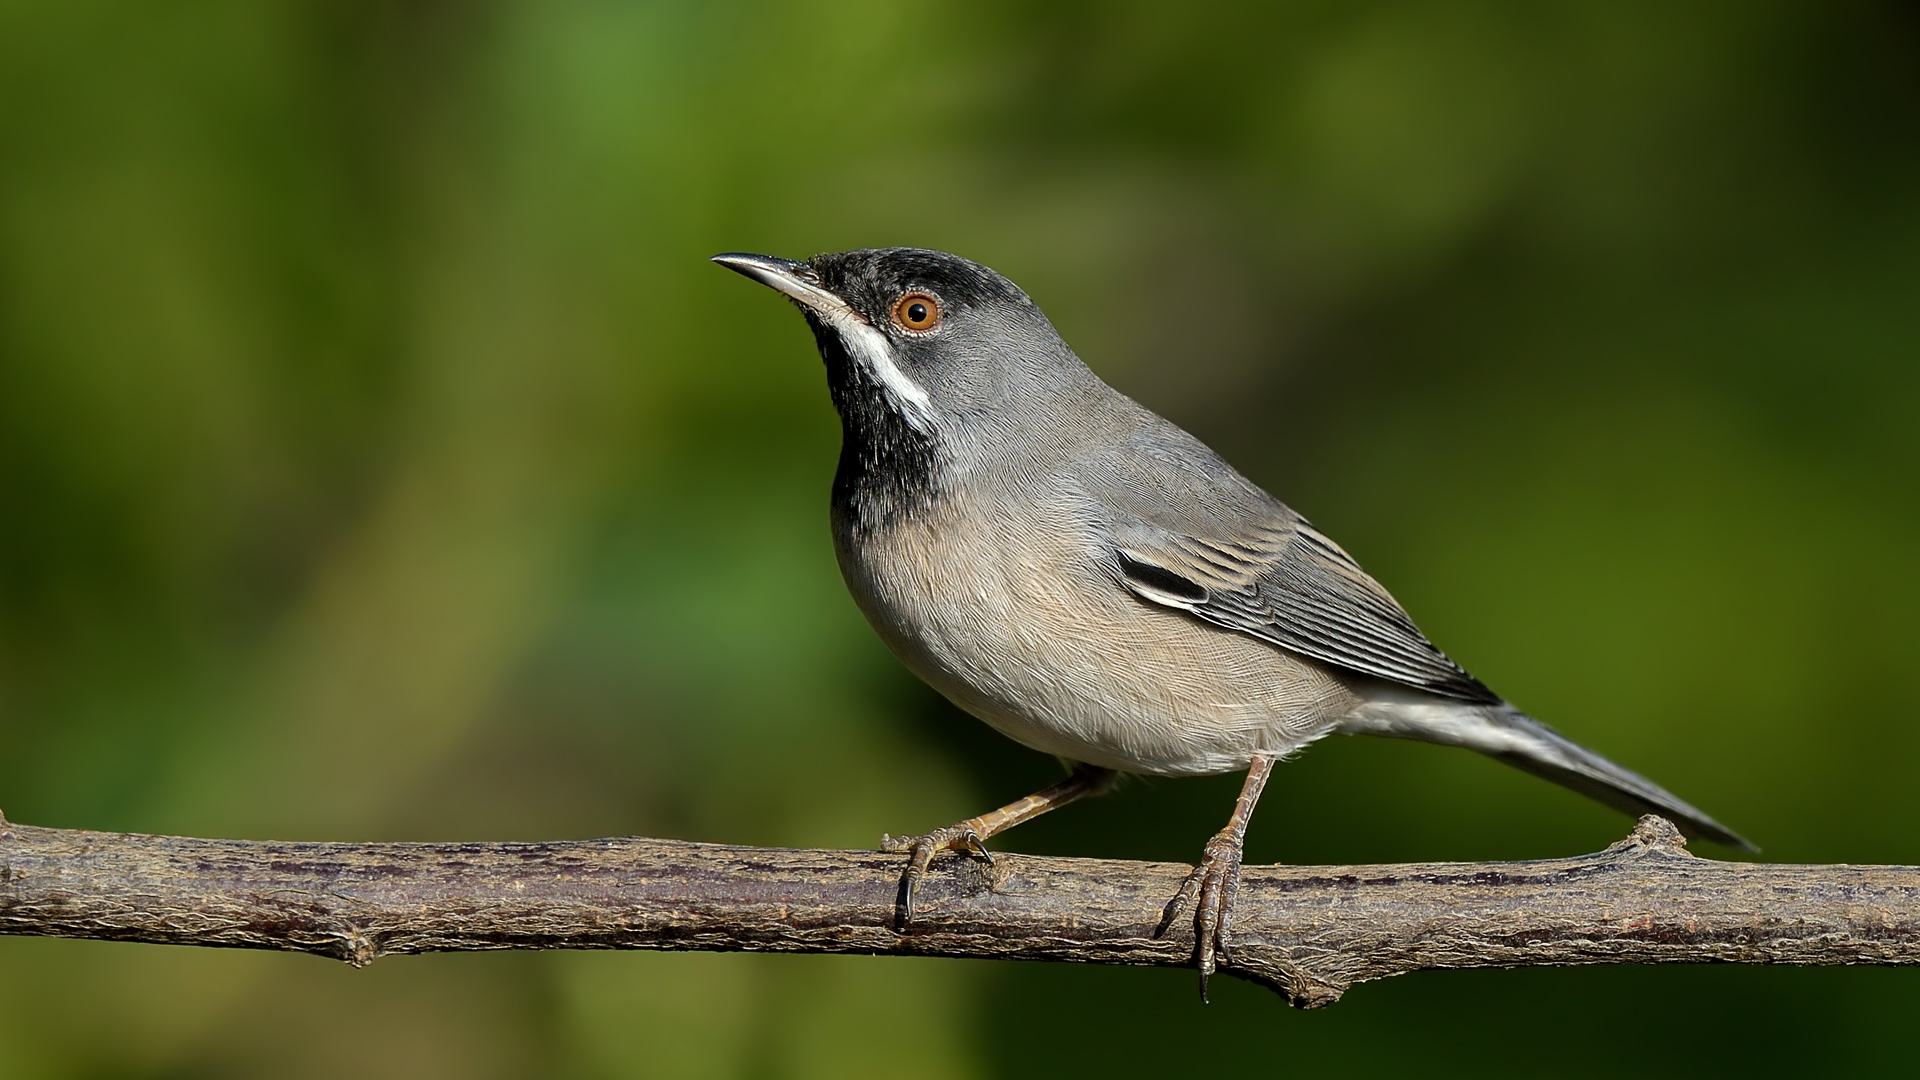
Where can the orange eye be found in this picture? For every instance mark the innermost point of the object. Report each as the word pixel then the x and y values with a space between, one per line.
pixel 917 311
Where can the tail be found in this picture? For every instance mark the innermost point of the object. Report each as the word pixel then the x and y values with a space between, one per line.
pixel 1506 733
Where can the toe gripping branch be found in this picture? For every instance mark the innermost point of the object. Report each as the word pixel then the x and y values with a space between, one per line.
pixel 965 837
pixel 1215 883
pixel 971 835
pixel 1211 888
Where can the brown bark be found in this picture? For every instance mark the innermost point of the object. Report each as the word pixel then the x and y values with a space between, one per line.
pixel 1307 931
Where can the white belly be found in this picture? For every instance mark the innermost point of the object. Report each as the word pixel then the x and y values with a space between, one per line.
pixel 1037 640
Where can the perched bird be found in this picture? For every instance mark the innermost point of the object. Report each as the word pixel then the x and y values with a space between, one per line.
pixel 1097 584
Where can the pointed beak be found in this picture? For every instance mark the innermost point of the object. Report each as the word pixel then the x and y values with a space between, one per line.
pixel 796 279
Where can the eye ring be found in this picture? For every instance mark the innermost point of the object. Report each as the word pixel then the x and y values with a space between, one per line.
pixel 917 312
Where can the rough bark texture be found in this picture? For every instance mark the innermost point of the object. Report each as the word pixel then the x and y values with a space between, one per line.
pixel 1307 931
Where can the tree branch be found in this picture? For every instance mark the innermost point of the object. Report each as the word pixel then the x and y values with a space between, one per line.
pixel 1309 932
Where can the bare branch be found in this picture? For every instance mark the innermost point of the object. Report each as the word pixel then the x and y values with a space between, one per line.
pixel 1307 931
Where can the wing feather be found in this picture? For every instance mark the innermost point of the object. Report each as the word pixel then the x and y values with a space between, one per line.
pixel 1257 567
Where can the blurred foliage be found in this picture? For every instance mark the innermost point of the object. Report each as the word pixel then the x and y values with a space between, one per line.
pixel 380 458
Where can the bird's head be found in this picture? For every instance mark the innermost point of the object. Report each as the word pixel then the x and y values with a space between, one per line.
pixel 931 338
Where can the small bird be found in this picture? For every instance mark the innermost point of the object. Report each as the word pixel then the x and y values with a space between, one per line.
pixel 1095 583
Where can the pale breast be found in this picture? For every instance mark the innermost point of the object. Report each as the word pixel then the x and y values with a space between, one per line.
pixel 1028 630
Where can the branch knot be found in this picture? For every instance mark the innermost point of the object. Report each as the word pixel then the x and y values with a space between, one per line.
pixel 1653 833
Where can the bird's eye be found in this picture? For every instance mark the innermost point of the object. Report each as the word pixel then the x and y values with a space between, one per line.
pixel 917 312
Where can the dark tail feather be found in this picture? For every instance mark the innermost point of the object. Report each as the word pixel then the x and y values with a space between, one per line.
pixel 1567 763
pixel 1512 736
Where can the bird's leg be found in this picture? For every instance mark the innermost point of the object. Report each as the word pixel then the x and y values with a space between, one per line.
pixel 1216 881
pixel 971 834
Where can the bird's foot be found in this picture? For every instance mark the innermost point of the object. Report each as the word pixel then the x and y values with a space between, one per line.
pixel 961 837
pixel 1211 888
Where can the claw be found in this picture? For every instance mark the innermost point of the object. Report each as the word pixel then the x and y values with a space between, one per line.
pixel 978 847
pixel 1188 889
pixel 916 869
pixel 1212 887
pixel 923 848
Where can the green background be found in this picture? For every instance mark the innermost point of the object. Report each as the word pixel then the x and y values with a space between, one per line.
pixel 380 458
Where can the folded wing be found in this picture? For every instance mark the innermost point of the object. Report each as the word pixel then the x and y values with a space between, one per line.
pixel 1236 557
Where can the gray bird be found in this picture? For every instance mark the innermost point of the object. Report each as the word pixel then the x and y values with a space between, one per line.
pixel 1097 584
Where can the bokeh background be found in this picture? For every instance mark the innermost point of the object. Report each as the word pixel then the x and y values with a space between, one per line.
pixel 380 458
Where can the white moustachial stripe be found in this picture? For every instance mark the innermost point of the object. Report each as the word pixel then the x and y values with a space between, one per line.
pixel 869 348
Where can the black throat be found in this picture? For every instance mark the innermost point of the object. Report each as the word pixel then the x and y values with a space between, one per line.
pixel 889 470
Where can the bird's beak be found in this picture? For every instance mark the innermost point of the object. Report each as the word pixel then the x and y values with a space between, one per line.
pixel 796 279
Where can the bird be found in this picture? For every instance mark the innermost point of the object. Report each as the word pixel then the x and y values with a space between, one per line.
pixel 1097 584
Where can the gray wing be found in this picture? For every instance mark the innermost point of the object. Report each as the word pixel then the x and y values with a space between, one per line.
pixel 1191 533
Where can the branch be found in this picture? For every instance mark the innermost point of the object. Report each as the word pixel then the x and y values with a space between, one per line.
pixel 1307 931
